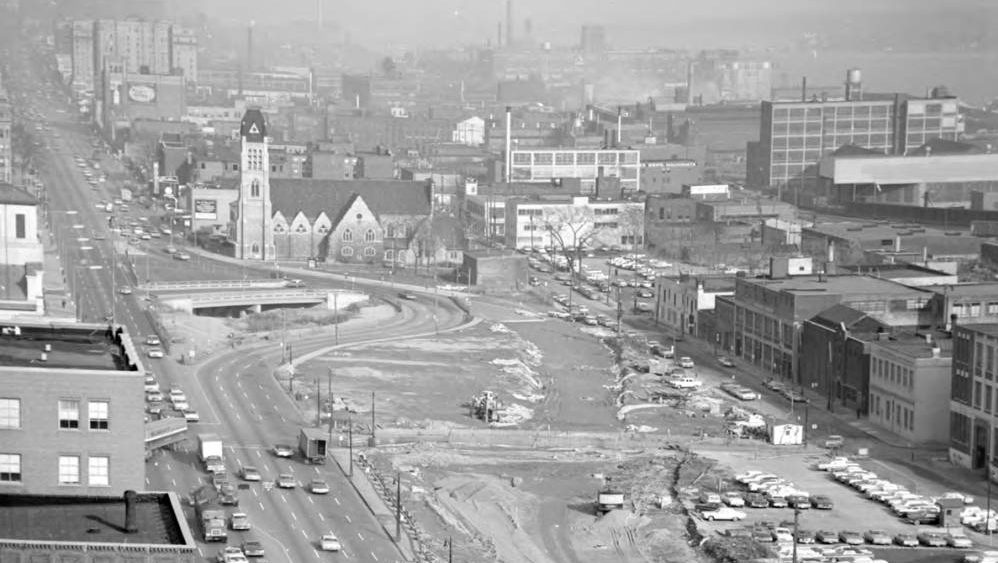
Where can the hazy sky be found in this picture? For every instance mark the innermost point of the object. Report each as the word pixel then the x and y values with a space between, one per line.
pixel 392 24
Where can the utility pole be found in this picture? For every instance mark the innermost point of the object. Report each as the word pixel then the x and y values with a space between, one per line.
pixel 329 394
pixel 350 442
pixel 796 523
pixel 318 404
pixel 336 320
pixel 373 437
pixel 398 506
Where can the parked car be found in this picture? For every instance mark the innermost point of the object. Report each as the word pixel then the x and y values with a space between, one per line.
pixel 723 513
pixel 826 536
pixel 958 541
pixel 756 500
pixel 850 537
pixel 182 256
pixel 726 362
pixel 932 539
pixel 804 536
pixel 686 362
pixel 783 535
pixel 822 502
pixel 877 537
pixel 777 502
pixel 906 539
pixel 191 415
pixel 800 502
pixel 240 522
pixel 733 499
pixel 253 548
pixel 835 464
pixel 155 353
pixel 152 340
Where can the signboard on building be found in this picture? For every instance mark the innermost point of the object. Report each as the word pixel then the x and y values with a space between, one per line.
pixel 206 209
pixel 142 93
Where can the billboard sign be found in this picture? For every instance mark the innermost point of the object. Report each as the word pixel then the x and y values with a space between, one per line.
pixel 206 209
pixel 142 93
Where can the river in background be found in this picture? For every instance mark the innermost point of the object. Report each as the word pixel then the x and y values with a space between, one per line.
pixel 973 77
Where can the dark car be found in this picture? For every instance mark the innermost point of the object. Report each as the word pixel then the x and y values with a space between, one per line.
pixel 826 536
pixel 822 502
pixel 849 537
pixel 253 548
pixel 804 536
pixel 919 517
pixel 777 502
pixel 738 532
pixel 756 500
pixel 798 501
pixel 762 534
pixel 407 296
pixel 228 499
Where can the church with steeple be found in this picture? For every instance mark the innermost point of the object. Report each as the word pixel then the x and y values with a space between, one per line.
pixel 253 216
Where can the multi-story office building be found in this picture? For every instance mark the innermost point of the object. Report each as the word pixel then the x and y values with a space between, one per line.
pixel 973 430
pixel 572 222
pixel 139 46
pixel 6 142
pixel 71 410
pixel 909 374
pixel 794 136
pixel 547 165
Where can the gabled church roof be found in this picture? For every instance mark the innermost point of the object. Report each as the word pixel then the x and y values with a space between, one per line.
pixel 383 197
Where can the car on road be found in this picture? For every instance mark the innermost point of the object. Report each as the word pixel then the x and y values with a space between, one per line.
pixel 835 464
pixel 152 340
pixel 723 513
pixel 407 296
pixel 726 362
pixel 231 555
pixel 958 541
pixel 286 481
pixel 250 473
pixel 182 256
pixel 686 362
pixel 253 548
pixel 125 290
pixel 822 502
pixel 155 353
pixel 240 522
pixel 906 539
pixel 154 397
pixel 877 537
pixel 151 385
pixel 294 283
pixel 318 487
pixel 826 536
pixel 283 450
pixel 191 415
pixel 932 539
pixel 329 542
pixel 834 441
pixel 170 250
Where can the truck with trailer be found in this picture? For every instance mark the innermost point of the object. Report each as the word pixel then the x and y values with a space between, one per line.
pixel 212 520
pixel 312 444
pixel 211 452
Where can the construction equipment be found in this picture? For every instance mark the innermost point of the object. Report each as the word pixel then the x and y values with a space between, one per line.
pixel 486 407
pixel 608 498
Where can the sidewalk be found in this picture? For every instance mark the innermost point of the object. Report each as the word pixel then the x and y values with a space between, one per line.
pixel 58 301
pixel 384 514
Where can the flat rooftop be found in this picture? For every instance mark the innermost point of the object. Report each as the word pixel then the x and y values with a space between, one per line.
pixel 71 346
pixel 82 519
pixel 894 271
pixel 915 346
pixel 984 289
pixel 844 285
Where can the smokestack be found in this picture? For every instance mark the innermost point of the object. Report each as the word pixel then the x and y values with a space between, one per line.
pixel 509 143
pixel 620 124
pixel 897 243
pixel 499 35
pixel 249 45
pixel 803 89
pixel 130 526
pixel 509 23
pixel 318 13
pixel 155 178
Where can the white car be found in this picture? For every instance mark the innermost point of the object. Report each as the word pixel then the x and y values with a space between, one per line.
pixel 783 535
pixel 330 542
pixel 835 464
pixel 191 415
pixel 181 405
pixel 177 395
pixel 723 513
pixel 733 499
pixel 151 385
pixel 686 362
pixel 744 477
pixel 155 353
pixel 240 522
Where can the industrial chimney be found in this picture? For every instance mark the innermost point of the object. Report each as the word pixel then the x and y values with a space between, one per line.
pixel 509 24
pixel 130 499
pixel 509 143
pixel 854 85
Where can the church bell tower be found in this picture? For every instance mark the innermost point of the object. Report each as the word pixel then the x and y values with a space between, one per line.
pixel 254 221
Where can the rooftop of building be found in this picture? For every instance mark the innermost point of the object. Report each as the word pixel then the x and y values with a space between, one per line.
pixel 86 519
pixel 843 285
pixel 983 289
pixel 987 329
pixel 897 271
pixel 12 195
pixel 917 346
pixel 83 346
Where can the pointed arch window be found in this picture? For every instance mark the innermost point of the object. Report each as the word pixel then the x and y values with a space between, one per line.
pixel 390 231
pixel 369 235
pixel 347 235
pixel 255 188
pixel 301 228
pixel 278 228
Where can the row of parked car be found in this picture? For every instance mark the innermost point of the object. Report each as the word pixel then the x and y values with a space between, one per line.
pixel 912 507
pixel 172 403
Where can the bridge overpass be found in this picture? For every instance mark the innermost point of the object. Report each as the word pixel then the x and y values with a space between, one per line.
pixel 192 300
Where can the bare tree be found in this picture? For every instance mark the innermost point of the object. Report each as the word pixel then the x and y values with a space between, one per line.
pixel 572 229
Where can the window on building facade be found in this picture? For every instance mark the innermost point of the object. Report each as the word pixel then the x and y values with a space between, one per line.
pixel 99 413
pixel 10 413
pixel 347 235
pixel 389 255
pixel 369 235
pixel 69 414
pixel 255 188
pixel 255 248
pixel 99 471
pixel 20 227
pixel 987 398
pixel 69 470
pixel 977 394
pixel 346 251
pixel 10 468
pixel 370 251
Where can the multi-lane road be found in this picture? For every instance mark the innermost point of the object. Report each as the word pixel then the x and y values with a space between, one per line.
pixel 235 393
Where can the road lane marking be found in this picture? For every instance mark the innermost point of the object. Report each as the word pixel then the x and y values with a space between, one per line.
pixel 200 552
pixel 304 533
pixel 310 500
pixel 347 516
pixel 261 505
pixel 360 536
pixel 284 498
pixel 337 499
pixel 316 553
pixel 321 517
pixel 174 481
pixel 295 517
pixel 374 556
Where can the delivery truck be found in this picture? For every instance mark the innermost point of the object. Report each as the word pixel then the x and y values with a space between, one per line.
pixel 210 448
pixel 312 444
pixel 212 520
